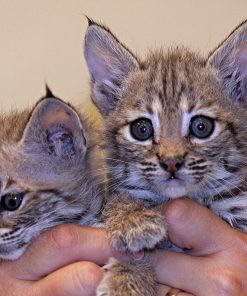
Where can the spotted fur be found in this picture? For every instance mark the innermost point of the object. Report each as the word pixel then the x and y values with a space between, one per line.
pixel 48 156
pixel 168 89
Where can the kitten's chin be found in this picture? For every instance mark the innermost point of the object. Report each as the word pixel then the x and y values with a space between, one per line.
pixel 173 189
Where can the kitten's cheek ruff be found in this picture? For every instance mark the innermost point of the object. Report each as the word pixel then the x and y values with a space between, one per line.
pixel 13 244
pixel 12 254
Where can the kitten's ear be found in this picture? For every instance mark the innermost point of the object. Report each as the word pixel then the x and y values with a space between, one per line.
pixel 230 61
pixel 54 129
pixel 109 63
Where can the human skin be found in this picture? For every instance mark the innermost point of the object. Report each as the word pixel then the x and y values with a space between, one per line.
pixel 217 261
pixel 58 263
pixel 66 260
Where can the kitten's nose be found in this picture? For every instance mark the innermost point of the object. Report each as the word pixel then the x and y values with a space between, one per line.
pixel 171 165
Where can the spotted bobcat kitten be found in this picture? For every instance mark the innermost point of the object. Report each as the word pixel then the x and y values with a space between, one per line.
pixel 175 125
pixel 48 173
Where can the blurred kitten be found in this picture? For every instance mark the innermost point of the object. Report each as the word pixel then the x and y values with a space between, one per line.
pixel 49 173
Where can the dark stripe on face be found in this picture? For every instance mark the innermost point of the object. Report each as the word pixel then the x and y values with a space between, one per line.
pixel 21 245
pixel 148 163
pixel 173 82
pixel 160 95
pixel 199 161
pixel 235 210
pixel 146 175
pixel 129 187
pixel 230 193
pixel 182 88
pixel 49 191
pixel 10 182
pixel 232 169
pixel 198 168
pixel 231 128
pixel 149 109
pixel 164 83
pixel 70 219
pixel 239 223
pixel 152 169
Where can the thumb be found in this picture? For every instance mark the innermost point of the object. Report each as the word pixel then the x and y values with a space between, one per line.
pixel 195 227
pixel 80 278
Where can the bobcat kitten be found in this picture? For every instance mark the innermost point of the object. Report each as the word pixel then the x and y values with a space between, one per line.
pixel 175 125
pixel 48 173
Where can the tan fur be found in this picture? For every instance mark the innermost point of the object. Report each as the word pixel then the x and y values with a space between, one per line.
pixel 170 90
pixel 49 156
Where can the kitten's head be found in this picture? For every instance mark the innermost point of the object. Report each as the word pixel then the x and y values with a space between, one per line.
pixel 44 167
pixel 175 124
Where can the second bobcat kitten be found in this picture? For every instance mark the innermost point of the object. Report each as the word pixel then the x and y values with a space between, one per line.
pixel 49 173
pixel 175 125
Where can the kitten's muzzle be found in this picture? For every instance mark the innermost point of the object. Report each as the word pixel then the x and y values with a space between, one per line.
pixel 171 165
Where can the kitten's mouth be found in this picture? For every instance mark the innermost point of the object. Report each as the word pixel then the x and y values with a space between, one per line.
pixel 174 181
pixel 173 177
pixel 174 187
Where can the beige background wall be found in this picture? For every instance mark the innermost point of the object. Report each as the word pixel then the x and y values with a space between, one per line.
pixel 41 40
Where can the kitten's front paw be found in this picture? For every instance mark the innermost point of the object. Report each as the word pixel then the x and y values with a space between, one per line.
pixel 140 230
pixel 127 280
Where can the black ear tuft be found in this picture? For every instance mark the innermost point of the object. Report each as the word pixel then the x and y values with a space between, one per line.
pixel 109 63
pixel 90 21
pixel 49 93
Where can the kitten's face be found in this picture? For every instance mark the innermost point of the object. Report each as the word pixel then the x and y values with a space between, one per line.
pixel 175 123
pixel 43 166
pixel 174 133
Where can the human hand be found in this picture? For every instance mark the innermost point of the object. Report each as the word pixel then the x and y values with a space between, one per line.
pixel 216 263
pixel 59 262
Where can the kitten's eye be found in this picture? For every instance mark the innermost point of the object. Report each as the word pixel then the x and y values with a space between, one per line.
pixel 201 126
pixel 11 202
pixel 141 129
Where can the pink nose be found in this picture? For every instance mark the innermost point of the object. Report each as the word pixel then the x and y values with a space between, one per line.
pixel 171 165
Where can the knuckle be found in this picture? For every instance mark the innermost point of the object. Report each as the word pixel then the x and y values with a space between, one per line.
pixel 228 283
pixel 87 276
pixel 178 211
pixel 65 236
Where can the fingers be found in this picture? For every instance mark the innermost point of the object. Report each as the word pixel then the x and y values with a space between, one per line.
pixel 170 267
pixel 61 246
pixel 193 226
pixel 200 276
pixel 80 278
pixel 219 265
